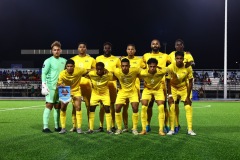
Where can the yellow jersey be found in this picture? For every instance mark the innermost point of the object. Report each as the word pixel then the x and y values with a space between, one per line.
pixel 179 76
pixel 72 80
pixel 127 81
pixel 162 58
pixel 110 63
pixel 100 83
pixel 153 81
pixel 136 62
pixel 86 62
pixel 187 57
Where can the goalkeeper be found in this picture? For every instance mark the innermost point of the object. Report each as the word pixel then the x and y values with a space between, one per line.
pixel 50 71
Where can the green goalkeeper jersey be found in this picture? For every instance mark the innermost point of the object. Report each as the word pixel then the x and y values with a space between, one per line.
pixel 51 70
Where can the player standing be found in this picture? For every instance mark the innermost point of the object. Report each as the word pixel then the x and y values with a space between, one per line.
pixel 177 86
pixel 71 76
pixel 50 71
pixel 83 60
pixel 100 92
pixel 188 61
pixel 153 87
pixel 163 60
pixel 136 62
pixel 111 63
pixel 127 77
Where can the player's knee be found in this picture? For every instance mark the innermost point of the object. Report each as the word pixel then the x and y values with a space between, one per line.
pixel 92 109
pixel 150 105
pixel 177 101
pixel 78 108
pixel 135 110
pixel 107 109
pixel 118 109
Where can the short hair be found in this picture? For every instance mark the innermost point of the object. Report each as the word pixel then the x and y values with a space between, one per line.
pixel 125 60
pixel 82 43
pixel 100 64
pixel 70 61
pixel 179 53
pixel 107 43
pixel 152 60
pixel 155 40
pixel 56 43
pixel 179 40
pixel 131 45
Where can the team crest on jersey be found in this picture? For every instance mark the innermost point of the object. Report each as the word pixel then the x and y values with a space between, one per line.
pixel 112 60
pixel 86 61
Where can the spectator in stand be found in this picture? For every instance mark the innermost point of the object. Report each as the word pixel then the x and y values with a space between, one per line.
pixel 32 92
pixel 195 74
pixel 209 81
pixel 215 74
pixel 201 92
pixel 206 75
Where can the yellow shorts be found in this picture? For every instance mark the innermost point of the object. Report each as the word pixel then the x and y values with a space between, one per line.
pixel 97 97
pixel 86 88
pixel 123 95
pixel 179 93
pixel 137 84
pixel 76 94
pixel 164 83
pixel 112 85
pixel 148 93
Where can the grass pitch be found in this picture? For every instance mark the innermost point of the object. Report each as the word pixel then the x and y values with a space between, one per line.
pixel 217 126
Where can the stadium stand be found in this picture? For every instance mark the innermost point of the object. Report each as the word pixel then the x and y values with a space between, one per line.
pixel 26 82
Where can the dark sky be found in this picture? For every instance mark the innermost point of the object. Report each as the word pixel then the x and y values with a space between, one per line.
pixel 27 24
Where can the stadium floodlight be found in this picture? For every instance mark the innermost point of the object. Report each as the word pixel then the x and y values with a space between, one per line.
pixel 225 52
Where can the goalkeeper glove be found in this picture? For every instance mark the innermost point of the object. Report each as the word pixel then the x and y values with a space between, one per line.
pixel 45 90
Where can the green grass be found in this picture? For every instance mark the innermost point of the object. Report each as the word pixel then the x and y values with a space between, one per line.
pixel 216 123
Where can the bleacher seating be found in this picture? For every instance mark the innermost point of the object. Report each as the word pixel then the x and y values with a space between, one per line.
pixel 16 81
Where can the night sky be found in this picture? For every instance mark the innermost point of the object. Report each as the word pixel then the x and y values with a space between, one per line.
pixel 27 24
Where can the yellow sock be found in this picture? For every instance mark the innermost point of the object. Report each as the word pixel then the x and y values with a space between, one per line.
pixel 112 111
pixel 108 120
pixel 177 115
pixel 79 119
pixel 118 117
pixel 91 120
pixel 125 116
pixel 74 121
pixel 144 117
pixel 172 116
pixel 101 115
pixel 63 118
pixel 161 116
pixel 188 109
pixel 135 121
pixel 166 121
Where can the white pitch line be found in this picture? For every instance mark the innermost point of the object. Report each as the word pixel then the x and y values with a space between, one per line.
pixel 207 106
pixel 11 109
